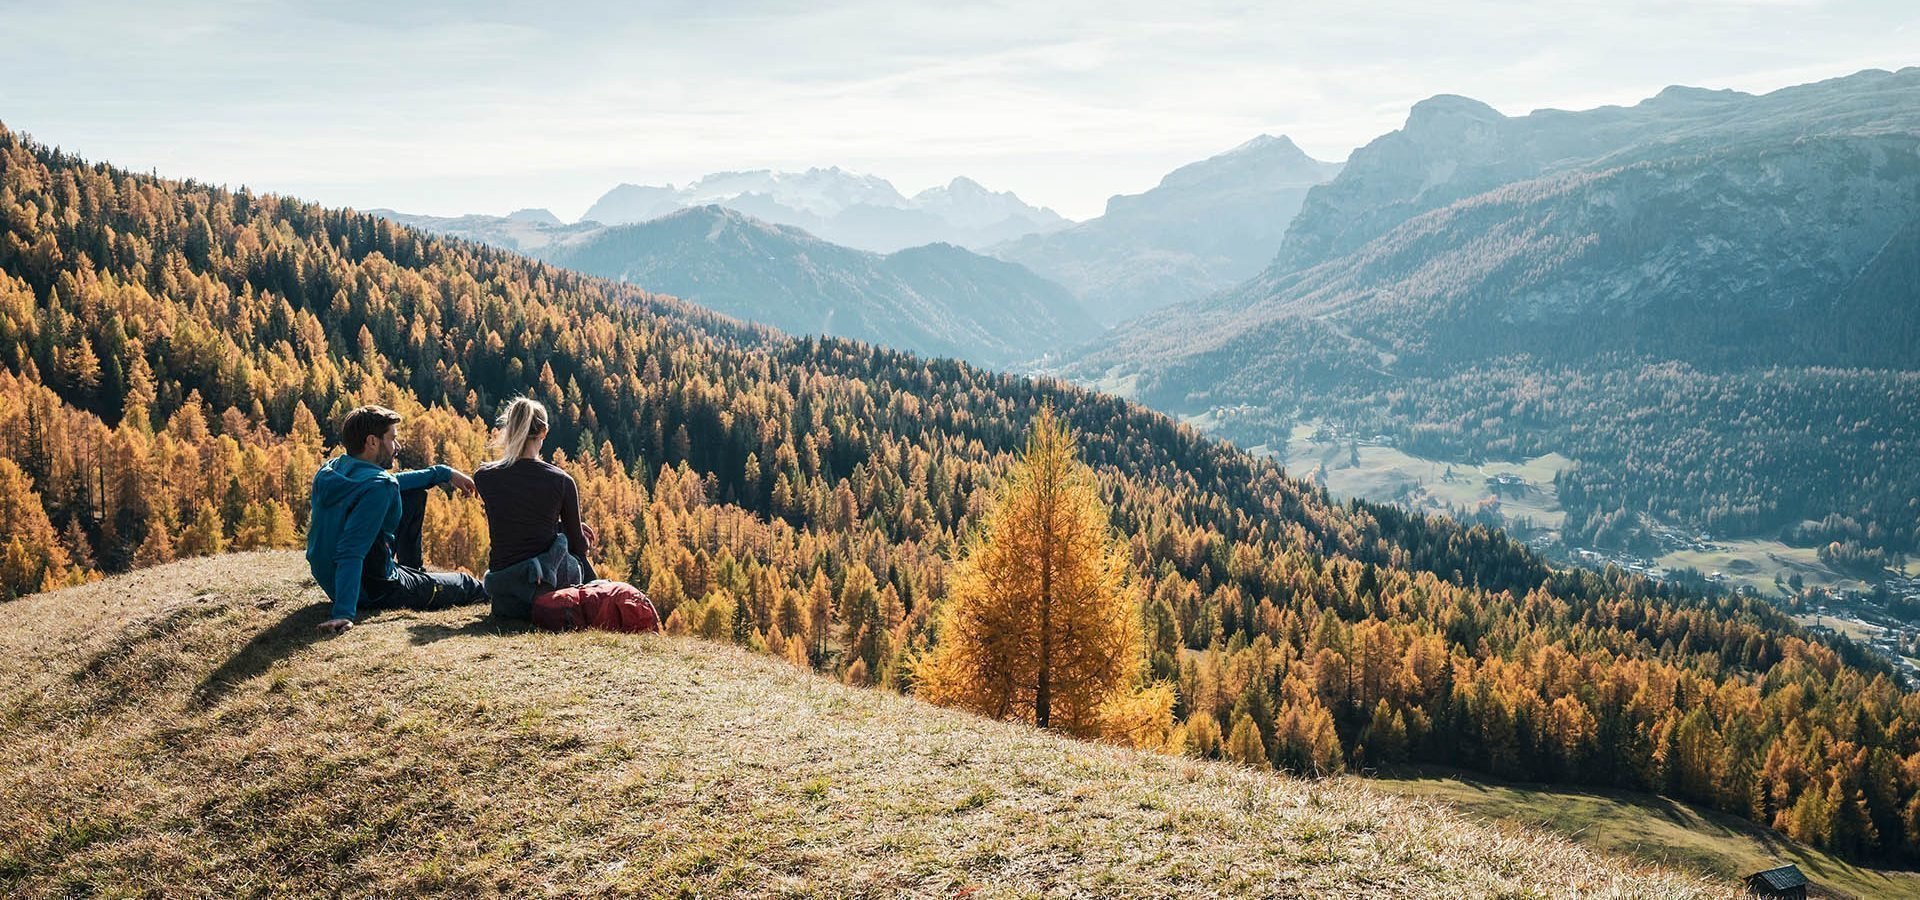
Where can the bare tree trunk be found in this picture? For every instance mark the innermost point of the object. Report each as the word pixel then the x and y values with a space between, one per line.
pixel 1043 693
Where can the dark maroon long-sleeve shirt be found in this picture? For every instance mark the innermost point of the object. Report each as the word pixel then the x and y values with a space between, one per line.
pixel 528 501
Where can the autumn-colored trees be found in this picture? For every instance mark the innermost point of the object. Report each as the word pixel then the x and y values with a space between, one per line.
pixel 32 558
pixel 1039 624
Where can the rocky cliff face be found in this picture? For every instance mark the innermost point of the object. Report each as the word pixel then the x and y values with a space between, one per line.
pixel 1708 227
pixel 1713 260
pixel 1453 148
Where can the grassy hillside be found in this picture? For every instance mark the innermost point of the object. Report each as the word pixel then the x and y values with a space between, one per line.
pixel 1649 828
pixel 182 730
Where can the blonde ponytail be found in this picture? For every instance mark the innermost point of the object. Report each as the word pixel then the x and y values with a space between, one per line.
pixel 523 418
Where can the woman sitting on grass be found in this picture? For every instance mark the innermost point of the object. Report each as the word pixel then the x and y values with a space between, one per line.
pixel 533 516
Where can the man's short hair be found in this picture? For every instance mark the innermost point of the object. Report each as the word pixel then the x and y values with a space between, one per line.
pixel 363 423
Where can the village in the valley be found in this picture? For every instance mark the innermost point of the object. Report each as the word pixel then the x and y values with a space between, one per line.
pixel 1882 616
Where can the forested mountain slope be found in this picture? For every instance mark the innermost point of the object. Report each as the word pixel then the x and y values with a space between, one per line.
pixel 168 352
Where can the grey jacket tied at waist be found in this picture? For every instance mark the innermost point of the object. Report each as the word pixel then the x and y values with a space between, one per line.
pixel 514 587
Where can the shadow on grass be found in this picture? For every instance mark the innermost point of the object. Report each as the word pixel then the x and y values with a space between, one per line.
pixel 423 633
pixel 299 629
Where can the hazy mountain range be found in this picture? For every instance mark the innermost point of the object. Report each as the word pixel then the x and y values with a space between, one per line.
pixel 823 251
pixel 529 231
pixel 860 211
pixel 1205 227
pixel 1711 227
pixel 802 250
pixel 937 300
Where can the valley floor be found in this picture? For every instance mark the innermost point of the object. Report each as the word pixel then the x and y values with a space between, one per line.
pixel 1523 497
pixel 183 731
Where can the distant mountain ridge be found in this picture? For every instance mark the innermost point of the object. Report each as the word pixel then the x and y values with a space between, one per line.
pixel 1626 260
pixel 936 300
pixel 860 211
pixel 1206 226
pixel 536 217
pixel 525 231
pixel 1699 225
pixel 1452 148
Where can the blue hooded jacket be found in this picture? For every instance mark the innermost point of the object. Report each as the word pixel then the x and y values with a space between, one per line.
pixel 355 504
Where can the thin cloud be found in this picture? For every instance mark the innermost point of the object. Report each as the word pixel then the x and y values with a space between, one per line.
pixel 448 108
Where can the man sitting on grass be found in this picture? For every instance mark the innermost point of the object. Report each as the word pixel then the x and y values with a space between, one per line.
pixel 363 541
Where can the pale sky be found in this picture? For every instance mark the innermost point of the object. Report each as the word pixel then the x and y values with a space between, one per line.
pixel 455 107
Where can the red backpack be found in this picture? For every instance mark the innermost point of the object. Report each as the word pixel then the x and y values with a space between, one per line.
pixel 607 605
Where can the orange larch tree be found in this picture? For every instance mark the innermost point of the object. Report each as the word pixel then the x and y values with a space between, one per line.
pixel 1041 624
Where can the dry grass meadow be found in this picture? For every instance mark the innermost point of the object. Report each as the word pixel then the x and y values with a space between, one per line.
pixel 183 731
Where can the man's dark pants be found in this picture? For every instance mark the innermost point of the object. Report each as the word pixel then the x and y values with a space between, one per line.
pixel 412 586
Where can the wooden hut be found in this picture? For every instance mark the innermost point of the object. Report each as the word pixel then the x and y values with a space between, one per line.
pixel 1785 882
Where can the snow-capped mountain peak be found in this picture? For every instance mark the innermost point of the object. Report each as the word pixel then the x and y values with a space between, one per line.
pixel 843 206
